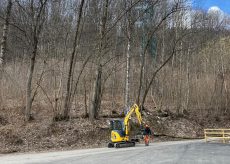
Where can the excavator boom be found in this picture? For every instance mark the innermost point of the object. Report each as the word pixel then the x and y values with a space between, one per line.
pixel 134 108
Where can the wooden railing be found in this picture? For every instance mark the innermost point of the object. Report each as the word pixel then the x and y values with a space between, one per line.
pixel 222 134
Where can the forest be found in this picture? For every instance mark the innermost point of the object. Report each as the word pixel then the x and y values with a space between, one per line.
pixel 67 59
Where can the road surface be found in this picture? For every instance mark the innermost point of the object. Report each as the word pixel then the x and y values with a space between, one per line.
pixel 177 152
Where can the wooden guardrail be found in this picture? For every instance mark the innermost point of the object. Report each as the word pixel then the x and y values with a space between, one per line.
pixel 222 134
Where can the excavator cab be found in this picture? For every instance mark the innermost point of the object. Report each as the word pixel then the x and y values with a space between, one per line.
pixel 118 126
pixel 117 130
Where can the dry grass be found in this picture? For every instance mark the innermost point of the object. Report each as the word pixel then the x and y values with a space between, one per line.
pixel 44 134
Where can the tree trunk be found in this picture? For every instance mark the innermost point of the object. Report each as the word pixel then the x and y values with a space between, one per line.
pixel 127 82
pixel 140 88
pixel 127 79
pixel 5 32
pixel 3 48
pixel 113 89
pixel 29 100
pixel 95 104
pixel 85 99
pixel 188 79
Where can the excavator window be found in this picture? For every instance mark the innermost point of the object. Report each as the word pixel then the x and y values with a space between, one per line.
pixel 116 125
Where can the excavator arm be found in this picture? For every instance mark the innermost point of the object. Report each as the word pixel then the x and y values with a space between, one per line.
pixel 135 109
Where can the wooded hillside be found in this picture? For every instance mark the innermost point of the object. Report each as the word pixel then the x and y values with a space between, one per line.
pixel 63 59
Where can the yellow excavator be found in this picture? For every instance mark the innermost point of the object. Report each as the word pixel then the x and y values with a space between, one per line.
pixel 120 129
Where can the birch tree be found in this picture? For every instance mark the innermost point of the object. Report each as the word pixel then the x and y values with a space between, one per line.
pixel 5 31
pixel 3 46
pixel 128 53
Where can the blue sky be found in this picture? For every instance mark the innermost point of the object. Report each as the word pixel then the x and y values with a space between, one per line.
pixel 224 5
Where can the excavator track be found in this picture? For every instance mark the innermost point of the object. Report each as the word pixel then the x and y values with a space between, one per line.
pixel 124 144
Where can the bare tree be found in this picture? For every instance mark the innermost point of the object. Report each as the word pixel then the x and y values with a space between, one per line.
pixel 96 96
pixel 3 46
pixel 150 35
pixel 38 18
pixel 5 32
pixel 67 102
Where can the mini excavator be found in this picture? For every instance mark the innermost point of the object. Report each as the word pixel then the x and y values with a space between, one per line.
pixel 120 129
